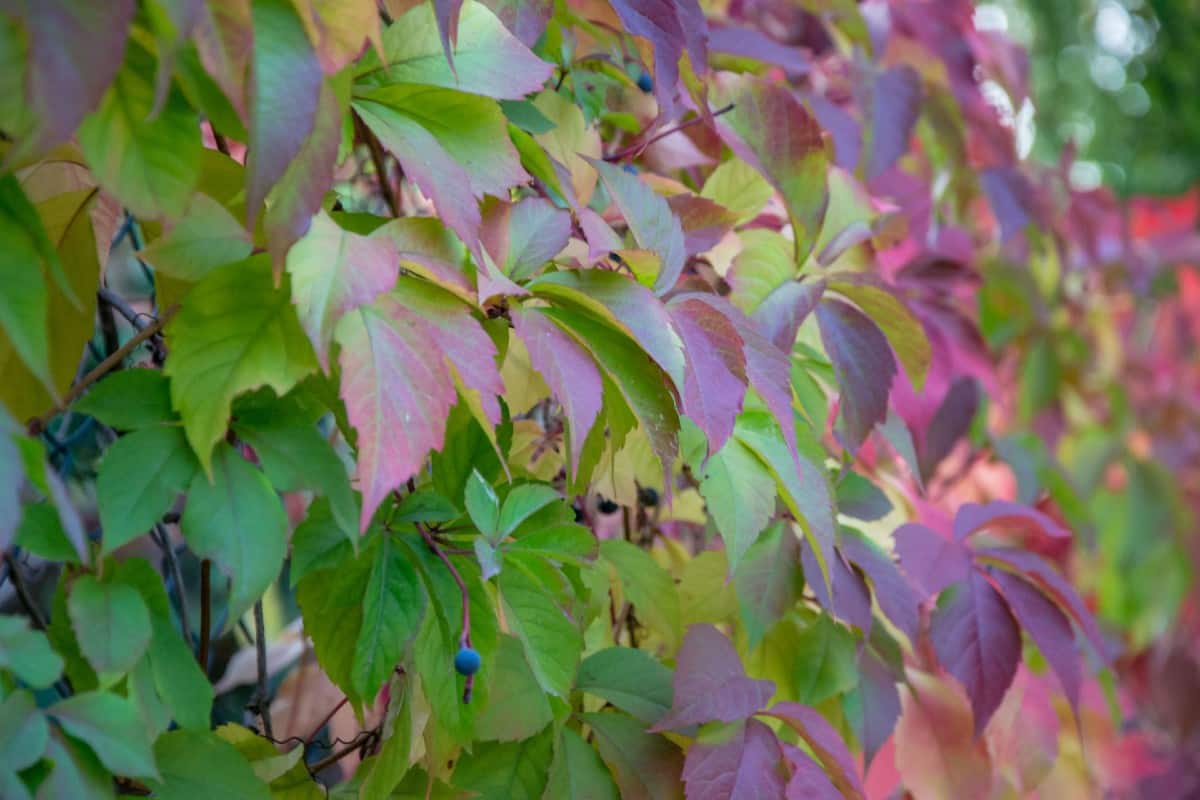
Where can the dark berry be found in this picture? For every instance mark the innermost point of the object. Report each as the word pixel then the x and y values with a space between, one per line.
pixel 607 506
pixel 630 168
pixel 578 513
pixel 467 661
pixel 648 496
pixel 645 82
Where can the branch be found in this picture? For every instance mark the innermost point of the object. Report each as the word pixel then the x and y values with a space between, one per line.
pixel 261 701
pixel 163 540
pixel 36 425
pixel 205 613
pixel 464 640
pixel 333 758
pixel 635 150
pixel 379 159
pixel 118 303
pixel 27 601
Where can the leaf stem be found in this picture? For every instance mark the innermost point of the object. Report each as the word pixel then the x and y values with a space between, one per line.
pixel 205 613
pixel 638 148
pixel 379 159
pixel 36 425
pixel 262 704
pixel 27 601
pixel 464 640
pixel 163 540
pixel 325 721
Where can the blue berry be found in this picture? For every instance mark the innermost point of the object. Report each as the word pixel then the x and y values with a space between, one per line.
pixel 645 82
pixel 630 168
pixel 467 661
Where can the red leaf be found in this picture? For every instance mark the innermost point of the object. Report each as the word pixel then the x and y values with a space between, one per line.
pixel 746 765
pixel 711 684
pixel 977 640
pixel 714 384
pixel 863 362
pixel 937 753
pixel 569 371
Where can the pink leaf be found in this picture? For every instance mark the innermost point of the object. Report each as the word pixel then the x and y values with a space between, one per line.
pixel 569 371
pixel 746 765
pixel 977 640
pixel 711 684
pixel 895 105
pixel 601 238
pixel 715 381
pixel 782 312
pixel 937 753
pixel 704 222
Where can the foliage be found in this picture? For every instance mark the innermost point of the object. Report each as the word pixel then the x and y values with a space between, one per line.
pixel 525 399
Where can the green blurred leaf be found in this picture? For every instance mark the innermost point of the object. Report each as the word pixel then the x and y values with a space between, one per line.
pixel 112 625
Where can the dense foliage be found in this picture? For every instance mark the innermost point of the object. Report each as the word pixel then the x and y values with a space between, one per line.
pixel 523 399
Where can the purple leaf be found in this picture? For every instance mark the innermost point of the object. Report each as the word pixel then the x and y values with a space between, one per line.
pixel 843 129
pixel 447 12
pixel 1049 628
pixel 283 110
pixel 746 765
pixel 531 233
pixel 932 561
pixel 808 781
pixel 851 602
pixel 752 43
pixel 671 26
pixel 784 310
pixel 1011 197
pixel 654 225
pixel 826 745
pixel 527 19
pixel 892 590
pixel 601 238
pixel 895 105
pixel 398 393
pixel 715 381
pixel 711 684
pixel 973 517
pixel 880 703
pixel 704 222
pixel 950 423
pixel 569 371
pixel 863 363
pixel 977 640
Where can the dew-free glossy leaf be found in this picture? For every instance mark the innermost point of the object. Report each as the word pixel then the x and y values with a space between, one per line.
pixel 140 477
pixel 646 766
pixel 27 653
pixel 130 399
pixel 197 765
pixel 863 363
pixel 552 640
pixel 739 493
pixel 393 604
pixel 654 225
pixel 630 679
pixel 714 382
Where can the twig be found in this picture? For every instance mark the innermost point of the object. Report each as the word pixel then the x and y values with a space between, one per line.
pixel 638 148
pixel 262 701
pixel 464 640
pixel 36 425
pixel 325 721
pixel 380 162
pixel 27 601
pixel 127 311
pixel 337 756
pixel 205 612
pixel 163 539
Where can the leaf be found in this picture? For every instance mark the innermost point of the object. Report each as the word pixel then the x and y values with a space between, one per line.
pixel 646 766
pixel 482 504
pixel 715 378
pixel 112 624
pixel 895 106
pixel 24 304
pixel 808 780
pixel 903 330
pixel 150 161
pixel 238 521
pixel 577 771
pixel 398 393
pixel 507 770
pixel 334 272
pixel 393 605
pixel 570 144
pixel 647 586
pixel 41 533
pixel 767 581
pixel 851 602
pixel 976 639
pixel 140 477
pixel 880 704
pixel 930 560
pixel 27 653
pixel 198 765
pixel 863 363
pixel 236 332
pixel 748 764
pixel 536 232
pixel 331 602
pixel 736 186
pixel 284 92
pixel 552 641
pixel 892 591
pixel 951 422
pixel 76 771
pixel 569 371
pixel 938 754
pixel 130 399
pixel 710 683
pixel 339 30
pixel 770 130
pixel 739 494
pixel 654 225
pixel 523 502
pixel 630 679
pixel 24 733
pixel 825 661
pixel 764 264
pixel 825 744
pixel 1001 514
pixel 517 707
pixel 783 311
pixel 671 26
pixel 109 724
pixel 317 543
pixel 488 60
pixel 858 497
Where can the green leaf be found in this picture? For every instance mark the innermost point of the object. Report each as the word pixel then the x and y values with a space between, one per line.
pixel 24 733
pixel 647 586
pixel 517 707
pixel 630 679
pixel 199 765
pixel 41 533
pixel 27 653
pixel 236 332
pixel 112 728
pixel 523 502
pixel 24 303
pixel 578 772
pixel 425 505
pixel 739 492
pixel 208 236
pixel 482 504
pixel 331 603
pixel 317 543
pixel 738 187
pixel 238 521
pixel 569 543
pixel 130 399
pixel 148 157
pixel 647 766
pixel 76 773
pixel 112 625
pixel 393 605
pixel 507 770
pixel 140 476
pixel 768 581
pixel 552 641
pixel 826 661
